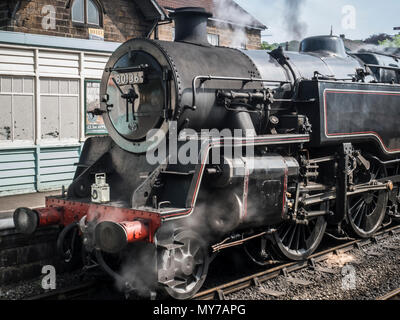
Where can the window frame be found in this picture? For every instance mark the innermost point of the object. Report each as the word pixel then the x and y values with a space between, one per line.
pixel 88 131
pixel 85 15
pixel 217 36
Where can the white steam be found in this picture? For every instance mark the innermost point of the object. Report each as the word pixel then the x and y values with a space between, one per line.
pixel 227 10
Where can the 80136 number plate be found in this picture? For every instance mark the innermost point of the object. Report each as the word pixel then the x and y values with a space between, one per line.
pixel 123 79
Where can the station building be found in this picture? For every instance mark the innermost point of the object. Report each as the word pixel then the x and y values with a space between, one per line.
pixel 52 55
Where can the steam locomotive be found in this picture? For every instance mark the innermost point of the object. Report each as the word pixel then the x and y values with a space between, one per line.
pixel 319 150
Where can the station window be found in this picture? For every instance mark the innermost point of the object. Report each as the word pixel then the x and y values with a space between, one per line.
pixel 86 12
pixel 17 108
pixel 59 101
pixel 213 39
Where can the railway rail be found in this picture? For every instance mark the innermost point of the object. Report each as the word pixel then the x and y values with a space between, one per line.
pixel 220 292
pixel 394 295
pixel 87 289
pixel 77 292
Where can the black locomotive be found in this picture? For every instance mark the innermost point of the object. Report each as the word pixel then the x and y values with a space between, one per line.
pixel 320 149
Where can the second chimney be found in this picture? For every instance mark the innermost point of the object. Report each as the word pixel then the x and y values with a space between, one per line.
pixel 191 25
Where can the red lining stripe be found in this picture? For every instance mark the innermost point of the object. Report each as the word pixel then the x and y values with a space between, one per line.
pixel 202 169
pixel 284 191
pixel 355 133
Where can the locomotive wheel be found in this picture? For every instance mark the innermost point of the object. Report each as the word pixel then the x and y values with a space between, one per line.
pixel 187 266
pixel 257 252
pixel 366 211
pixel 298 241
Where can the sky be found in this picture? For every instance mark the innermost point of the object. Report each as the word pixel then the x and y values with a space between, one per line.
pixel 357 19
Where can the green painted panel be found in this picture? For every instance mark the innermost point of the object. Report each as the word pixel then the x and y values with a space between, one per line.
pixel 55 177
pixel 17 173
pixel 17 165
pixel 55 185
pixel 59 154
pixel 58 162
pixel 11 190
pixel 11 157
pixel 17 181
pixel 55 169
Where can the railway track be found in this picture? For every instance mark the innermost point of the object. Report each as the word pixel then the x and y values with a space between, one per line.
pixel 22 256
pixel 394 295
pixel 256 279
pixel 87 289
pixel 81 291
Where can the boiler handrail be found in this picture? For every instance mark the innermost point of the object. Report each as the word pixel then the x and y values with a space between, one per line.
pixel 210 77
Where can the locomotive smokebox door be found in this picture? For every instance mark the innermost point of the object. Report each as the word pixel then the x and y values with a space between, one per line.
pixel 100 189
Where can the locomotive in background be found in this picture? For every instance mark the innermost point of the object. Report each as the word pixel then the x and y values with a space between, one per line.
pixel 322 125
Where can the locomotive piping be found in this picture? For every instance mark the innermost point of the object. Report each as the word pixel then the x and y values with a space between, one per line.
pixel 218 143
pixel 210 77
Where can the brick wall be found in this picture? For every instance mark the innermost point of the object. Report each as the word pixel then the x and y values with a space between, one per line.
pixel 122 21
pixel 207 4
pixel 226 32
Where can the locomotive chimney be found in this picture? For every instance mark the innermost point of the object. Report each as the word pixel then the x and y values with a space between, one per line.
pixel 191 25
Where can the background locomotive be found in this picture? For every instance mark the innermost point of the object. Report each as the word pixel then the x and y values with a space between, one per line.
pixel 323 127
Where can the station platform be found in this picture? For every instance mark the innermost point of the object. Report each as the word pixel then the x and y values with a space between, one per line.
pixel 31 200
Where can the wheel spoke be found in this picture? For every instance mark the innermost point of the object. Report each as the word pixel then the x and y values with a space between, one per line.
pixel 354 216
pixel 299 229
pixel 292 236
pixel 189 266
pixel 195 251
pixel 358 221
pixel 363 223
pixel 356 204
pixel 309 230
pixel 188 247
pixel 289 227
pixel 303 235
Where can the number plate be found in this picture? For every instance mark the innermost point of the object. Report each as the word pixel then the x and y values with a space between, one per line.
pixel 123 79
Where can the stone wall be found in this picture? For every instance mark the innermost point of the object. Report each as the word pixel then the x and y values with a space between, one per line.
pixel 229 36
pixel 122 20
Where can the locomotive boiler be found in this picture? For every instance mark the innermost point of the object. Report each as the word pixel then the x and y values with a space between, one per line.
pixel 285 145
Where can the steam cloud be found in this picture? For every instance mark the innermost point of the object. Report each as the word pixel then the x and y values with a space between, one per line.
pixel 294 27
pixel 379 48
pixel 229 11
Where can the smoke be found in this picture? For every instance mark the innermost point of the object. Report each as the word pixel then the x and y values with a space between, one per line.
pixel 295 28
pixel 378 48
pixel 138 269
pixel 229 11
